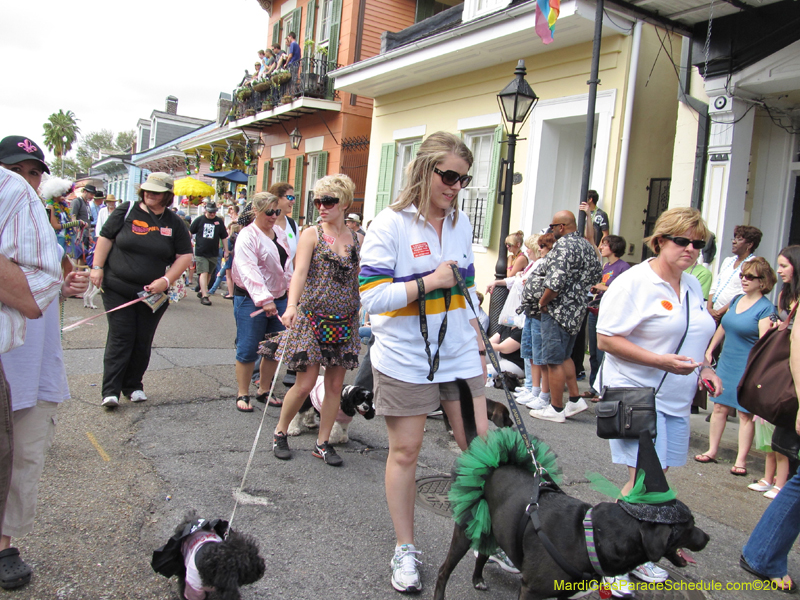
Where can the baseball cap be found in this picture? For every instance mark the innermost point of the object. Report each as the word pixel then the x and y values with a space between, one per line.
pixel 211 206
pixel 16 148
pixel 158 182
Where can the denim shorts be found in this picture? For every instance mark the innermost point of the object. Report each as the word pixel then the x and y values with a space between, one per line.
pixel 526 348
pixel 672 443
pixel 556 342
pixel 250 331
pixel 536 341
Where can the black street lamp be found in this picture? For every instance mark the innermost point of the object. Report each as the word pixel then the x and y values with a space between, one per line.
pixel 295 138
pixel 516 104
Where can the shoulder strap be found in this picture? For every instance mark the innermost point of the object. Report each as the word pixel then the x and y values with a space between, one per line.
pixel 128 212
pixel 292 224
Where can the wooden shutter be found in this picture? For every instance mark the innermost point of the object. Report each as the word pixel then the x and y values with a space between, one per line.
pixel 494 180
pixel 333 44
pixel 415 149
pixel 265 176
pixel 322 165
pixel 252 181
pixel 385 175
pixel 276 32
pixel 298 185
pixel 281 171
pixel 311 11
pixel 296 23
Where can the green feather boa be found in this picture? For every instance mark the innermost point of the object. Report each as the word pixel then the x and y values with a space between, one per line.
pixel 503 446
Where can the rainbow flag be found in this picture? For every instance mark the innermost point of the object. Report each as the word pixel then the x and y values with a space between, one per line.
pixel 546 16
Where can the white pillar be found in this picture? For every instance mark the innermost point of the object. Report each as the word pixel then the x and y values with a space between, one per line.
pixel 727 169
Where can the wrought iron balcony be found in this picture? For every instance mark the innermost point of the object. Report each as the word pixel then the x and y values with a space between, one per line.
pixel 306 78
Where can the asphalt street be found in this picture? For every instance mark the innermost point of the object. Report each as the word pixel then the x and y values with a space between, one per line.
pixel 116 483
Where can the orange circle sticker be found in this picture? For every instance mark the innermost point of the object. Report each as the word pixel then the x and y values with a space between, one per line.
pixel 666 304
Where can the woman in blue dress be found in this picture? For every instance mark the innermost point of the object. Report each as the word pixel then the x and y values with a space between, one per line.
pixel 746 320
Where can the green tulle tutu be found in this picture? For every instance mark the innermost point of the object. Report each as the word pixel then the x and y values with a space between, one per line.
pixel 503 446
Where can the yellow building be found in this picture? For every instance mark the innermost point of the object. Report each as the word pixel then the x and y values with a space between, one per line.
pixel 444 73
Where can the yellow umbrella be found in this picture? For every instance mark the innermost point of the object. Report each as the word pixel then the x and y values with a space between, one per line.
pixel 188 186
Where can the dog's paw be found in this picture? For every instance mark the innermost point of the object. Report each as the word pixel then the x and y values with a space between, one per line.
pixel 309 419
pixel 480 585
pixel 338 434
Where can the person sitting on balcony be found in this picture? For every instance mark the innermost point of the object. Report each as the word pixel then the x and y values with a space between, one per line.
pixel 294 49
pixel 262 63
pixel 279 55
pixel 270 62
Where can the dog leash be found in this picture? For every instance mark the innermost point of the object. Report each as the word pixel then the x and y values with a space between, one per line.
pixel 120 307
pixel 238 493
pixel 512 404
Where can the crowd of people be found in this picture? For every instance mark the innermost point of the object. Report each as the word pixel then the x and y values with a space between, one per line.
pixel 275 58
pixel 300 293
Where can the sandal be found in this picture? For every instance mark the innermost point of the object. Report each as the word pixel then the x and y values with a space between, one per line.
pixel 276 402
pixel 589 394
pixel 14 572
pixel 705 458
pixel 246 400
pixel 739 471
pixel 777 583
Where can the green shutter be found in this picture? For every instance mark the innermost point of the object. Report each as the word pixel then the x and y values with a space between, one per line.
pixel 322 165
pixel 415 149
pixel 311 11
pixel 333 43
pixel 276 32
pixel 298 185
pixel 252 181
pixel 284 171
pixel 425 9
pixel 494 180
pixel 385 175
pixel 265 176
pixel 296 23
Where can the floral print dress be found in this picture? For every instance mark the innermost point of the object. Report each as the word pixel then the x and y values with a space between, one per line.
pixel 331 289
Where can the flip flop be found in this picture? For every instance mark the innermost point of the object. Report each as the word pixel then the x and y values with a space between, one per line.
pixel 739 471
pixel 14 572
pixel 705 458
pixel 246 399
pixel 588 394
pixel 275 403
pixel 790 589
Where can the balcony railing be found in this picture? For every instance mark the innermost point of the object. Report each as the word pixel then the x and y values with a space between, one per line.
pixel 305 78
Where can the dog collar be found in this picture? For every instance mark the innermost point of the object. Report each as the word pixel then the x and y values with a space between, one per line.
pixel 591 549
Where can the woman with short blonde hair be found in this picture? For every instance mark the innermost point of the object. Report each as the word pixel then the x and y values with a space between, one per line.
pixel 321 316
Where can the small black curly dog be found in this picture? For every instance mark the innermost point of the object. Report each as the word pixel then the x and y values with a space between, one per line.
pixel 208 564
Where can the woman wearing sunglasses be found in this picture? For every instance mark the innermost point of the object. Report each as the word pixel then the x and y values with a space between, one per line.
pixel 284 192
pixel 747 319
pixel 641 327
pixel 261 273
pixel 409 254
pixel 321 316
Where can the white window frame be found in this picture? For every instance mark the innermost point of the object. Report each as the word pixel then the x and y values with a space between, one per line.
pixel 286 26
pixel 311 180
pixel 480 171
pixel 324 13
pixel 478 8
pixel 402 156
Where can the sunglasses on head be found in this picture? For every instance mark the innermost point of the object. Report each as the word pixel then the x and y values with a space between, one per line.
pixel 290 197
pixel 272 211
pixel 450 177
pixel 326 201
pixel 749 277
pixel 683 242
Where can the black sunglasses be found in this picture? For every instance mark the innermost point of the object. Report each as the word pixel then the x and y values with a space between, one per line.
pixel 326 201
pixel 683 242
pixel 749 277
pixel 290 197
pixel 450 177
pixel 554 225
pixel 272 211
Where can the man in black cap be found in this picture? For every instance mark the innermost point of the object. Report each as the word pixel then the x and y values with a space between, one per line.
pixel 98 202
pixel 208 229
pixel 23 157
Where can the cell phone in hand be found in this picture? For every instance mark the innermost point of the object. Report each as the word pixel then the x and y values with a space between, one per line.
pixel 709 386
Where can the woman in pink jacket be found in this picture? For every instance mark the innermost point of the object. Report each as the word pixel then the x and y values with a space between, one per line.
pixel 261 274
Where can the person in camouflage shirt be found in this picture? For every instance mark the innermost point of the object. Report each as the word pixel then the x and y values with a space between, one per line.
pixel 571 268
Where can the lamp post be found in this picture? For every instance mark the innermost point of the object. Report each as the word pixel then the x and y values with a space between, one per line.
pixel 516 102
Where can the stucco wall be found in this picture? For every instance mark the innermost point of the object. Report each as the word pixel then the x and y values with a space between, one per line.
pixel 685 145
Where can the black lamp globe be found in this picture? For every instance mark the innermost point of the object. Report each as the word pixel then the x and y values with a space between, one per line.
pixel 517 99
pixel 295 138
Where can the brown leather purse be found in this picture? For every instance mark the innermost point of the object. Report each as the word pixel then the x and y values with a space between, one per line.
pixel 767 387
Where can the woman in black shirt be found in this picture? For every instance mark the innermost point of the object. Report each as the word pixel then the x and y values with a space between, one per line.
pixel 142 247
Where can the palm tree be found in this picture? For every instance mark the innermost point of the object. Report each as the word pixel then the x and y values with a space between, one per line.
pixel 60 132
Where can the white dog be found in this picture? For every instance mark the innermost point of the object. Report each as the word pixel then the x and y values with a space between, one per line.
pixel 90 293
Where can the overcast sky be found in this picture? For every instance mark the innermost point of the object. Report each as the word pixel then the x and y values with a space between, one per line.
pixel 112 62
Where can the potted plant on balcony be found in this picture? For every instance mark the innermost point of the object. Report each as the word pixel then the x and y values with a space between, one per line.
pixel 244 93
pixel 309 47
pixel 266 105
pixel 281 76
pixel 287 99
pixel 250 112
pixel 262 85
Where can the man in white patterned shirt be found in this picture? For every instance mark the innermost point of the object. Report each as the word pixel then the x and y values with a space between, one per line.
pixel 30 278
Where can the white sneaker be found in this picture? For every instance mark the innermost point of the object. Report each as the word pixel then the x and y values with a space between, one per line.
pixel 650 572
pixel 138 396
pixel 110 402
pixel 524 398
pixel 405 576
pixel 620 586
pixel 502 561
pixel 537 403
pixel 549 413
pixel 573 408
pixel 521 391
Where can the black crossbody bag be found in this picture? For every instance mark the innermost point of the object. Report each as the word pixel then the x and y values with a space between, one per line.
pixel 624 412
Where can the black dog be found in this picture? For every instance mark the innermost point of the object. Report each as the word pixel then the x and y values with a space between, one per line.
pixel 496 412
pixel 222 564
pixel 622 541
pixel 354 400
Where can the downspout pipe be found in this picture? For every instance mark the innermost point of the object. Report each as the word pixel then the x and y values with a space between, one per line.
pixel 703 124
pixel 626 128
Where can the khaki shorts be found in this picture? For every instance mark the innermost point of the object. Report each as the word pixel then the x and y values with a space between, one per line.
pixel 205 265
pixel 395 398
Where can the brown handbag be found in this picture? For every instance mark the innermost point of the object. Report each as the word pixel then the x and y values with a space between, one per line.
pixel 767 387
